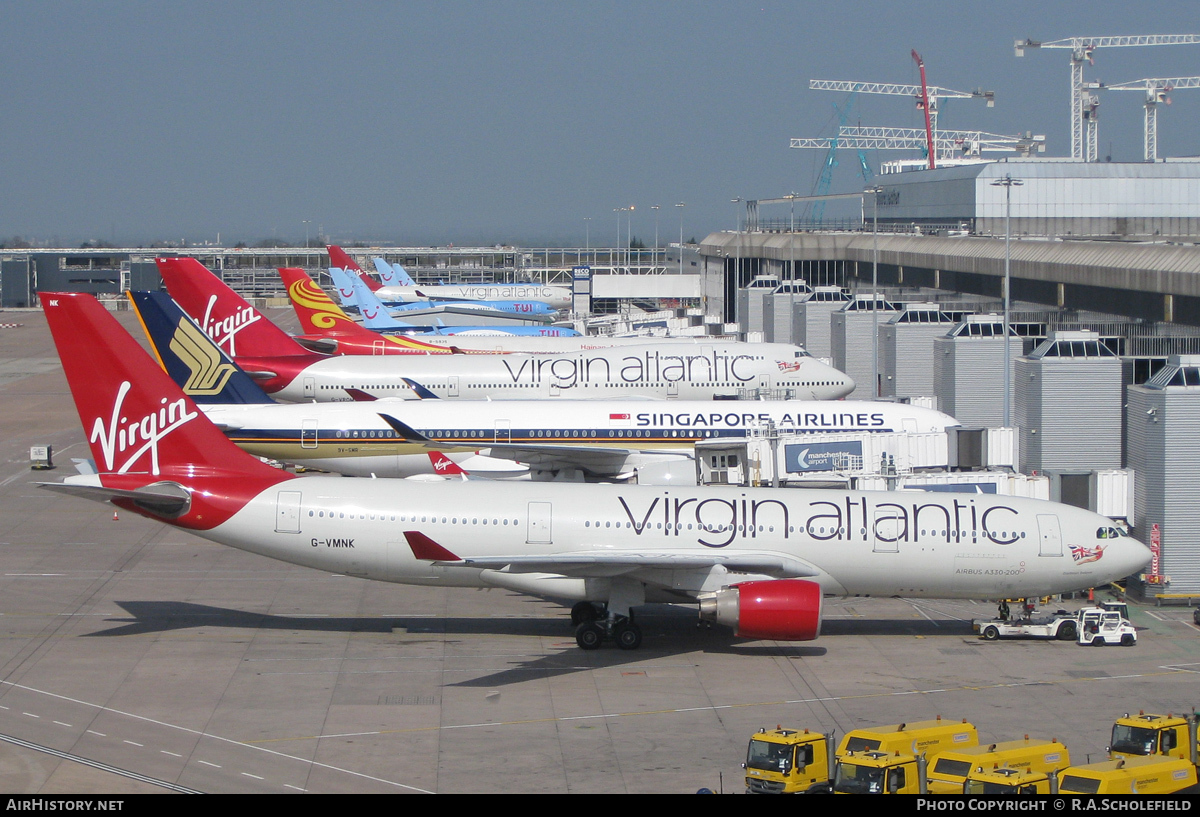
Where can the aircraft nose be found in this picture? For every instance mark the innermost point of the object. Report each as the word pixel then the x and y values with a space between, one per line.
pixel 1132 556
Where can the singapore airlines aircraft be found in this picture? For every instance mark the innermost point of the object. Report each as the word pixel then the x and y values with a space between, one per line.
pixel 758 560
pixel 693 372
pixel 556 297
pixel 599 439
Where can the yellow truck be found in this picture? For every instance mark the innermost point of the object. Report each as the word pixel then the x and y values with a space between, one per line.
pixel 1142 735
pixel 1156 774
pixel 1005 782
pixel 949 770
pixel 792 761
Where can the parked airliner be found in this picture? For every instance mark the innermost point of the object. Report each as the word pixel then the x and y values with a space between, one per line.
pixel 693 372
pixel 556 297
pixel 759 560
pixel 599 439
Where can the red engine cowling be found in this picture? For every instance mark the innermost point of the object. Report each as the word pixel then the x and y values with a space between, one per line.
pixel 781 610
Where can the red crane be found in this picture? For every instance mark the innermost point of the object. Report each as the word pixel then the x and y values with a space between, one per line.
pixel 925 107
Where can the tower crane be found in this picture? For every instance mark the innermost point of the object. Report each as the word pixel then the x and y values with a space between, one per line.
pixel 1084 105
pixel 1156 90
pixel 933 92
pixel 948 143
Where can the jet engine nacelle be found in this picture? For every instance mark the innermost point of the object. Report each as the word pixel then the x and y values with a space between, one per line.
pixel 781 610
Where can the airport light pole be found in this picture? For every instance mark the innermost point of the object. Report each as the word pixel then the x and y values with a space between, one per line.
pixel 587 237
pixel 681 205
pixel 655 208
pixel 1008 183
pixel 874 290
pixel 737 247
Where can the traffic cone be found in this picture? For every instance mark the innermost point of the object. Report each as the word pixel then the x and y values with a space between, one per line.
pixel 115 519
pixel 1091 590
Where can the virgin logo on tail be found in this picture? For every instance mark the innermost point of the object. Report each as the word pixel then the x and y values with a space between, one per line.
pixel 141 436
pixel 224 330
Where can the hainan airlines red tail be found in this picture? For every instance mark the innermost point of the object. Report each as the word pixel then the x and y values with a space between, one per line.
pixel 227 318
pixel 155 452
pixel 321 318
pixel 340 259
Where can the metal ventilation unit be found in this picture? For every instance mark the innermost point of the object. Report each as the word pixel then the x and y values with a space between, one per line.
pixel 1163 445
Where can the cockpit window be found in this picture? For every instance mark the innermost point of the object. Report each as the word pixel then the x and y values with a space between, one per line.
pixel 1110 533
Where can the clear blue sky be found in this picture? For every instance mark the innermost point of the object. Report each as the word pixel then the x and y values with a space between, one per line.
pixel 481 122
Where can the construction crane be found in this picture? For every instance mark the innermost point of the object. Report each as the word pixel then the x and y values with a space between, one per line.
pixel 826 179
pixel 948 144
pixel 1156 90
pixel 933 92
pixel 1085 105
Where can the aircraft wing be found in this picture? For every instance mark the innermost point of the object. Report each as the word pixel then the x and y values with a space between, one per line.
pixel 596 458
pixel 598 563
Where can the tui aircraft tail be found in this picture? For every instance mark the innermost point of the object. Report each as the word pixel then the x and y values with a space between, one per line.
pixel 321 317
pixel 193 361
pixel 155 452
pixel 236 326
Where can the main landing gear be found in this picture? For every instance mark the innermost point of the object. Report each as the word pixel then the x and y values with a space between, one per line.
pixel 594 625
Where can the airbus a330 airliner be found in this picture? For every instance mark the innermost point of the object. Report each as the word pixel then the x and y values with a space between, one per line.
pixel 759 560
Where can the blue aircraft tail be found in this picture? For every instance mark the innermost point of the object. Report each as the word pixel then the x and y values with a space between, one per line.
pixel 190 358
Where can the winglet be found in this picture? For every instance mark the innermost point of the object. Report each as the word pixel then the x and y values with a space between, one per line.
pixel 360 396
pixel 421 392
pixel 428 550
pixel 405 431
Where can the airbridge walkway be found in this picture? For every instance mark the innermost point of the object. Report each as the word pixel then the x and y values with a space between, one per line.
pixel 1148 281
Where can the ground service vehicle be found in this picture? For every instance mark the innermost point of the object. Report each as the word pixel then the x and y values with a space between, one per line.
pixel 1006 781
pixel 875 772
pixel 789 761
pixel 1144 735
pixel 1098 626
pixel 1061 625
pixel 1130 775
pixel 929 738
pixel 949 770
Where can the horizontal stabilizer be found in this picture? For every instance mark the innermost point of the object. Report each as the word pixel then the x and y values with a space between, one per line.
pixel 165 499
pixel 426 549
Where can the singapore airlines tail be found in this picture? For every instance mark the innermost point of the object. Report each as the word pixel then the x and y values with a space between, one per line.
pixel 155 453
pixel 191 358
pixel 225 316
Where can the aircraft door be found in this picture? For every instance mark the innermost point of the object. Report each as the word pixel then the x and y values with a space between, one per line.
pixel 672 388
pixel 452 391
pixel 308 434
pixel 886 532
pixel 287 512
pixel 378 347
pixel 503 431
pixel 1049 535
pixel 310 387
pixel 539 524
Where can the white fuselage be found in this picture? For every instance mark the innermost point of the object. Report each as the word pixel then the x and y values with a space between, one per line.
pixel 353 439
pixel 555 297
pixel 641 371
pixel 851 543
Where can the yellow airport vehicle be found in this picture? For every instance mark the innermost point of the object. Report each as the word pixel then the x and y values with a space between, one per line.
pixel 1005 781
pixel 950 769
pixel 1130 775
pixel 877 772
pixel 1142 735
pixel 793 761
pixel 789 761
pixel 929 738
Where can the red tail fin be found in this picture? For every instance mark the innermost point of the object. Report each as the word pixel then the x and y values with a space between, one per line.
pixel 445 466
pixel 236 326
pixel 141 428
pixel 340 259
pixel 320 316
